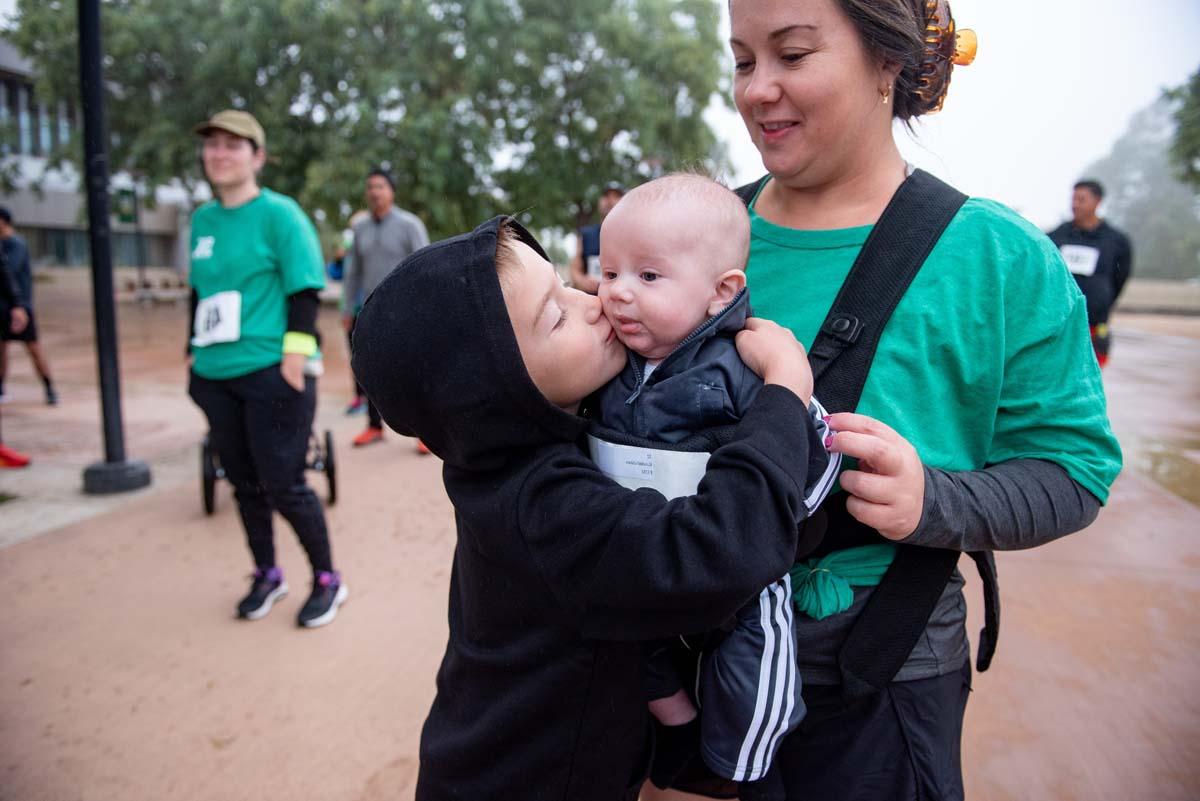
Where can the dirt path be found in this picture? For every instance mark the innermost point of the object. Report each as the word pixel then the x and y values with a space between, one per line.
pixel 123 674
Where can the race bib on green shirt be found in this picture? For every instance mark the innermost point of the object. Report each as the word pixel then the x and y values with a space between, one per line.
pixel 218 319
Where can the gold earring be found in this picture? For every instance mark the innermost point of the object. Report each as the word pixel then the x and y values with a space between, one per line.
pixel 886 93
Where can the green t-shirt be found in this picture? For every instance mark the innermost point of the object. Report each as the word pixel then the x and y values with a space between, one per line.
pixel 246 261
pixel 987 357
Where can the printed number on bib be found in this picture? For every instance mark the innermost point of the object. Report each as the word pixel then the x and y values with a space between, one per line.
pixel 218 319
pixel 1080 259
pixel 593 266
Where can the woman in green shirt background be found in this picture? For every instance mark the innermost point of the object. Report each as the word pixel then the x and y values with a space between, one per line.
pixel 982 425
pixel 256 268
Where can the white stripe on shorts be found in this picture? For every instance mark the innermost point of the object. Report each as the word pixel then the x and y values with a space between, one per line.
pixel 764 678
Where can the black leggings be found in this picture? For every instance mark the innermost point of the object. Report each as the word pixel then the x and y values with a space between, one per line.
pixel 259 426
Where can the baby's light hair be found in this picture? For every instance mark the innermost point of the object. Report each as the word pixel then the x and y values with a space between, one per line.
pixel 720 211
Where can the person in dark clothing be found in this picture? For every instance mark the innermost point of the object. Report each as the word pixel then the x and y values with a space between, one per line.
pixel 559 571
pixel 585 264
pixel 17 255
pixel 14 318
pixel 1099 256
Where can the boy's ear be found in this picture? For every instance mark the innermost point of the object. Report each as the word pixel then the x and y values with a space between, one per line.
pixel 729 284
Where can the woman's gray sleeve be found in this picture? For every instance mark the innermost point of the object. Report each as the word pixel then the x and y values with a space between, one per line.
pixel 1009 506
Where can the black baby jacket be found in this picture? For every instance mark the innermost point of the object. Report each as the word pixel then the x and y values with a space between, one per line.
pixel 558 571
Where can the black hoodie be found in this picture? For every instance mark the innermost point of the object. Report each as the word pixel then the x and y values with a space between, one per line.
pixel 558 571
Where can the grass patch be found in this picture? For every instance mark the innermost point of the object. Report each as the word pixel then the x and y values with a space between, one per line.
pixel 4 496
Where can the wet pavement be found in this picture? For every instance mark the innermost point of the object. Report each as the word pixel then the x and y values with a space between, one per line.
pixel 123 674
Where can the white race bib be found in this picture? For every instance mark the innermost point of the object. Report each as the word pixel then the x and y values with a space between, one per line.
pixel 218 319
pixel 1080 259
pixel 673 473
pixel 593 266
pixel 678 473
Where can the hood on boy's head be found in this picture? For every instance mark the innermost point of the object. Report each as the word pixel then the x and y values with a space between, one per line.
pixel 435 352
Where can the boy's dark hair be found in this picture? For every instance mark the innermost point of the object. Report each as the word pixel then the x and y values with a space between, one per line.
pixel 5 215
pixel 506 260
pixel 380 172
pixel 1091 185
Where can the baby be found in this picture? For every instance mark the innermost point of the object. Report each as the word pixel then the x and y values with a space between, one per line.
pixel 673 286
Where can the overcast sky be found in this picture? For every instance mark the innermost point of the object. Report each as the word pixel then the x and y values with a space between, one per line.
pixel 1052 88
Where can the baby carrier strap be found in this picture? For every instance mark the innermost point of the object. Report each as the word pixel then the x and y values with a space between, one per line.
pixel 899 609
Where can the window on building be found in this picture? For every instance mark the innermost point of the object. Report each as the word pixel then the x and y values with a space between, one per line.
pixel 5 134
pixel 24 121
pixel 45 130
pixel 64 124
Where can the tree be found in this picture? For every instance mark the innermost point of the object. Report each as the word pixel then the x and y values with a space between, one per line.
pixel 478 107
pixel 1146 198
pixel 1185 149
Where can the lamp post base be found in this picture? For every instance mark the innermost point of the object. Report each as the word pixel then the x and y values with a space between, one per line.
pixel 105 478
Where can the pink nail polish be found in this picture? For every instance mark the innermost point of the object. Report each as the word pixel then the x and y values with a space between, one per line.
pixel 829 441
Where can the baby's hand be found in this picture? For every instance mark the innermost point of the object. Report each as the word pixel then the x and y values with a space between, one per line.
pixel 773 353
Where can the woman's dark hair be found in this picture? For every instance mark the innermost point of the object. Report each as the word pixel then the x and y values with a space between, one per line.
pixel 894 30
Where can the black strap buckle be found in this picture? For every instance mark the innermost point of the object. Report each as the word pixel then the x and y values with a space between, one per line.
pixel 845 328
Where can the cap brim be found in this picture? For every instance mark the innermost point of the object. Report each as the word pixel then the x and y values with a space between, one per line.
pixel 207 127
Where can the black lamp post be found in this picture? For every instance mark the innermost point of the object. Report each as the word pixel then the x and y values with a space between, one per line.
pixel 115 473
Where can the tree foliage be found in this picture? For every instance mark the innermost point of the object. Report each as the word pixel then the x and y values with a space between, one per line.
pixel 1145 197
pixel 478 107
pixel 1185 149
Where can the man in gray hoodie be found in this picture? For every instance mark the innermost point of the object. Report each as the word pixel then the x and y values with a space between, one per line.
pixel 381 241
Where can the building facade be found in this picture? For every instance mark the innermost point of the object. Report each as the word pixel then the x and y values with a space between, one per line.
pixel 47 206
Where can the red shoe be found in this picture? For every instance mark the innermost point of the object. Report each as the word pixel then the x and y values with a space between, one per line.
pixel 422 448
pixel 11 458
pixel 368 436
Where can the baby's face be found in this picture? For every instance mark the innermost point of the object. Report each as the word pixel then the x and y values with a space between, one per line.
pixel 656 283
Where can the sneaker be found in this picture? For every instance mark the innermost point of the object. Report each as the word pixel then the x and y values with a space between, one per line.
pixel 328 594
pixel 422 448
pixel 11 458
pixel 368 436
pixel 51 397
pixel 268 587
pixel 357 406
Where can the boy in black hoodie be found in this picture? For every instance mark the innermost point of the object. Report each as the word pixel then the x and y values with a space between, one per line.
pixel 474 345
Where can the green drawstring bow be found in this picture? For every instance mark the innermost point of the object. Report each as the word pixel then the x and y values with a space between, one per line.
pixel 822 587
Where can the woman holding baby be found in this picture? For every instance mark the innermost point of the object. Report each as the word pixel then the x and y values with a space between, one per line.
pixel 982 423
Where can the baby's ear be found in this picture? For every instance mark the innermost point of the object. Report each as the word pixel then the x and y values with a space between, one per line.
pixel 729 284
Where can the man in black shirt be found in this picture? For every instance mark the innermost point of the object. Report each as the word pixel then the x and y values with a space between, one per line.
pixel 1098 255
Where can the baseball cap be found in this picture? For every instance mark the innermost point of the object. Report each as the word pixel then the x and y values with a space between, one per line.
pixel 238 123
pixel 613 186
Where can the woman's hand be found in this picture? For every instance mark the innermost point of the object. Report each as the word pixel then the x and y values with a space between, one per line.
pixel 887 490
pixel 773 353
pixel 292 370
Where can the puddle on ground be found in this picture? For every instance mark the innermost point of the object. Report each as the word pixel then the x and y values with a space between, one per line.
pixel 1170 464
